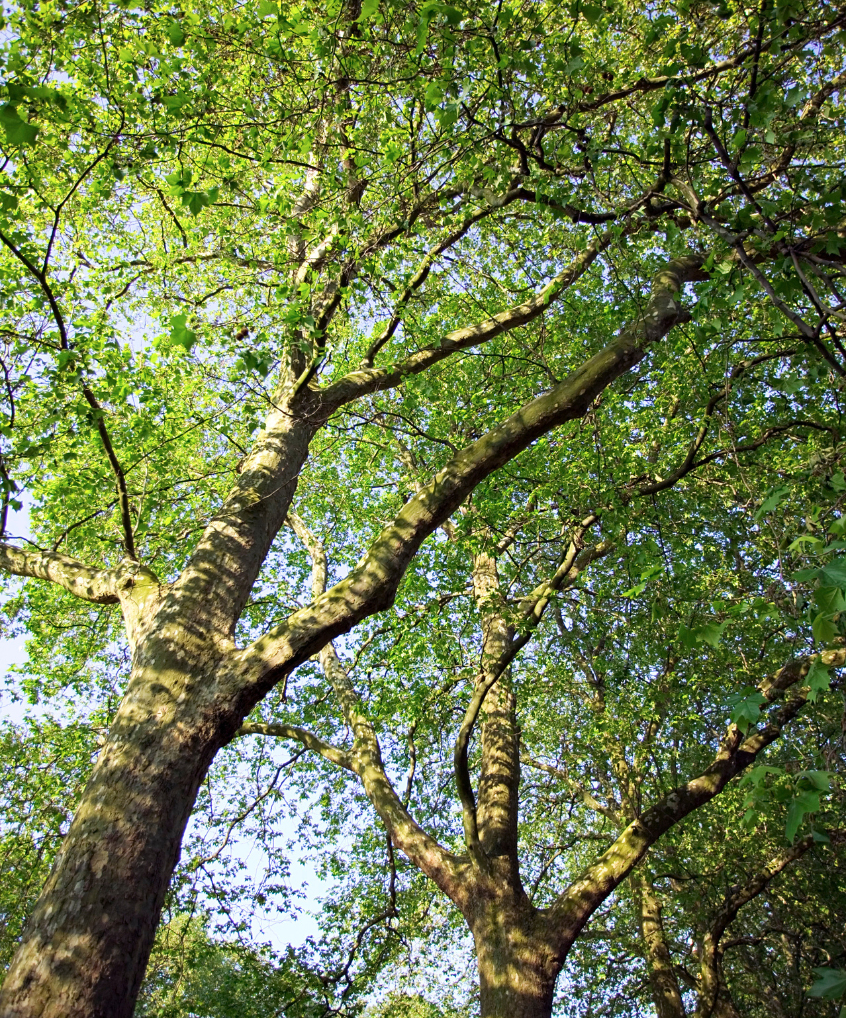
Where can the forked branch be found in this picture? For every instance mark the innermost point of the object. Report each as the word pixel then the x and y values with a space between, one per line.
pixel 710 964
pixel 370 379
pixel 365 757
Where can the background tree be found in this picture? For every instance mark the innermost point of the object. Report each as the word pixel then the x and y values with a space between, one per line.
pixel 374 256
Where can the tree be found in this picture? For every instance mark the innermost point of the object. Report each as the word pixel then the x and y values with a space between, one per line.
pixel 374 258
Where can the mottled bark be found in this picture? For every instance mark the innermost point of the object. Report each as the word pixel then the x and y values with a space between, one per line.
pixel 662 978
pixel 517 967
pixel 499 778
pixel 86 945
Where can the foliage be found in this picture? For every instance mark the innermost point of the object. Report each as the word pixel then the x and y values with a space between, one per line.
pixel 208 212
pixel 42 767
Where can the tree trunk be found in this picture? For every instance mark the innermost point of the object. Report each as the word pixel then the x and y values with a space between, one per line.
pixel 86 946
pixel 515 976
pixel 666 993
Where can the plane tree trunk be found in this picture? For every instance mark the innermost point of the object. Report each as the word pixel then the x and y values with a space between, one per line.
pixel 86 945
pixel 666 993
pixel 517 965
pixel 87 942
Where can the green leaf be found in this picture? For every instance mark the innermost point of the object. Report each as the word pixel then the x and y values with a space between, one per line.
pixel 645 577
pixel 829 599
pixel 801 804
pixel 434 94
pixel 804 539
pixel 772 501
pixel 175 33
pixel 746 707
pixel 8 202
pixel 180 334
pixel 817 680
pixel 823 629
pixel 712 633
pixel 834 574
pixel 819 781
pixel 196 201
pixel 830 984
pixel 756 775
pixel 805 575
pixel 66 358
pixel 18 131
pixel 368 9
pixel 422 32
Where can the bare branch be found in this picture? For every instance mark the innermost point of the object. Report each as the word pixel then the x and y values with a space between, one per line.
pixel 365 759
pixel 420 277
pixel 337 756
pixel 589 800
pixel 117 470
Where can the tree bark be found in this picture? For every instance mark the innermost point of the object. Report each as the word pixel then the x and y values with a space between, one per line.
pixel 85 948
pixel 499 779
pixel 662 978
pixel 86 945
pixel 517 967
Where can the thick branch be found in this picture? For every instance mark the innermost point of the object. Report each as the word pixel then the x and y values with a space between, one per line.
pixel 666 993
pixel 572 565
pixel 97 585
pixel 367 380
pixel 371 586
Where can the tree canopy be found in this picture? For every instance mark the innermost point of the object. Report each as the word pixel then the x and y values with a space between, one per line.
pixel 429 418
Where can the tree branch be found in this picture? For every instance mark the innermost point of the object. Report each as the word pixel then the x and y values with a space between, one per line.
pixel 117 470
pixel 533 607
pixel 589 800
pixel 420 277
pixel 86 582
pixel 710 964
pixel 366 380
pixel 577 903
pixel 337 756
pixel 365 759
pixel 371 585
